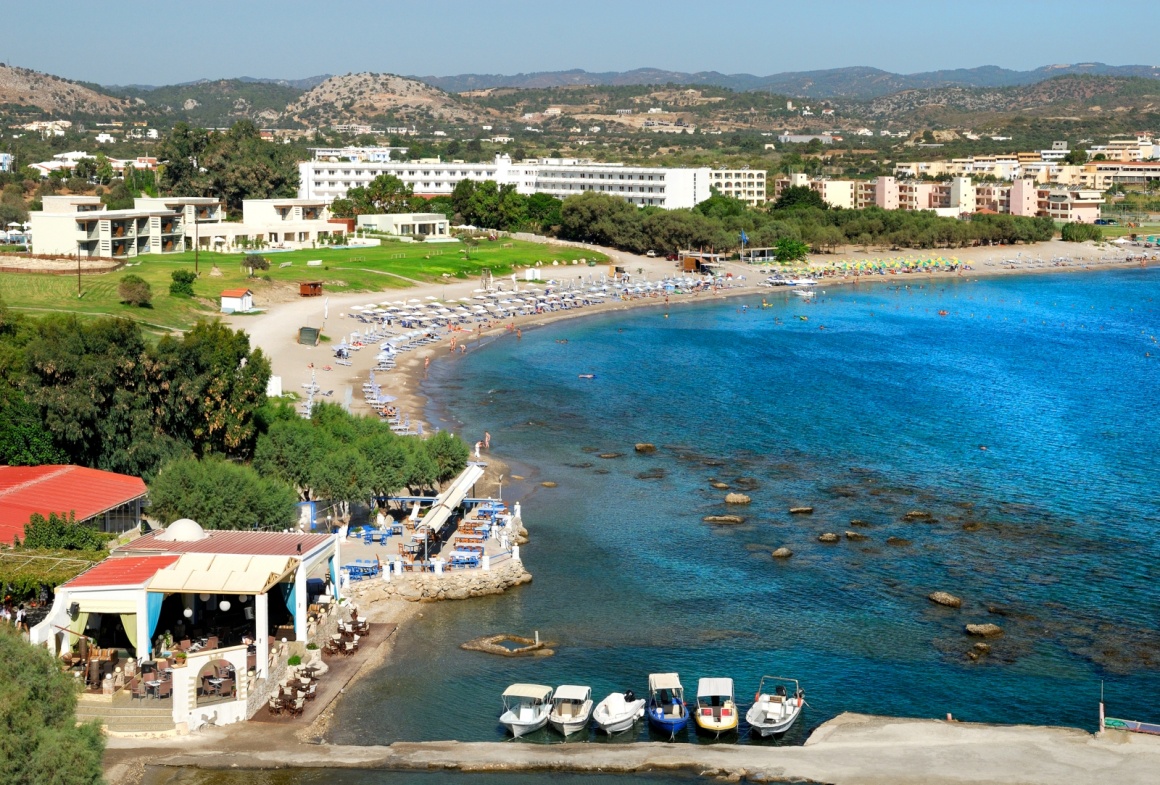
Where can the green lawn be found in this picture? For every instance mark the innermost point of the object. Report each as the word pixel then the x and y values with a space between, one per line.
pixel 347 270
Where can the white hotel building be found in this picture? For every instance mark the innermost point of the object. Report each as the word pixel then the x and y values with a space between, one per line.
pixel 330 177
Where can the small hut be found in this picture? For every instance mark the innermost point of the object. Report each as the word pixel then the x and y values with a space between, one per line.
pixel 310 288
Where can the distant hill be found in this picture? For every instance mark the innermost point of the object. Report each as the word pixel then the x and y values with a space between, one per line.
pixel 22 87
pixel 367 96
pixel 856 83
pixel 214 103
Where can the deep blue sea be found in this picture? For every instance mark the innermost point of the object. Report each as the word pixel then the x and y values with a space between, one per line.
pixel 1024 421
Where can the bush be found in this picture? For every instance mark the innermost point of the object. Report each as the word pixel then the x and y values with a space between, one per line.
pixel 294 660
pixel 220 494
pixel 58 532
pixel 182 285
pixel 1078 233
pixel 135 290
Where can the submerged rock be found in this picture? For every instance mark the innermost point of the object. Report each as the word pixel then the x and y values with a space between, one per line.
pixel 782 553
pixel 801 510
pixel 918 515
pixel 856 536
pixel 737 498
pixel 897 541
pixel 548 484
pixel 645 447
pixel 724 519
pixel 652 474
pixel 608 455
pixel 945 599
pixel 983 648
pixel 859 522
pixel 719 485
pixel 828 537
pixel 984 630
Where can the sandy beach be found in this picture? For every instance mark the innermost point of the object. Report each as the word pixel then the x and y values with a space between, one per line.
pixel 275 330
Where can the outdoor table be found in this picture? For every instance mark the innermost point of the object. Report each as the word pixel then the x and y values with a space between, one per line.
pixel 217 685
pixel 153 687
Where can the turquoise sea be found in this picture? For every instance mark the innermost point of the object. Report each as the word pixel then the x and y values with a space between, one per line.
pixel 866 405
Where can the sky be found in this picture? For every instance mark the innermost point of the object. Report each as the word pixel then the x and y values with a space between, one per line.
pixel 135 42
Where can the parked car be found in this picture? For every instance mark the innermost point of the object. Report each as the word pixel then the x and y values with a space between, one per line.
pixel 651 254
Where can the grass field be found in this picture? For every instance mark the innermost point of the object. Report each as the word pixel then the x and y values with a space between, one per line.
pixel 389 266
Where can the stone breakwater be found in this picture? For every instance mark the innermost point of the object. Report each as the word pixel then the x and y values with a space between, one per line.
pixel 428 587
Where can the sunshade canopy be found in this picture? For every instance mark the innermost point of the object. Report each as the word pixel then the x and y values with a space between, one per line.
pixel 210 573
pixel 714 687
pixel 572 692
pixel 532 691
pixel 664 681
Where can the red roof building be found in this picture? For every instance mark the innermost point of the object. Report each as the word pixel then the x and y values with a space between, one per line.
pixel 235 542
pixel 127 571
pixel 110 501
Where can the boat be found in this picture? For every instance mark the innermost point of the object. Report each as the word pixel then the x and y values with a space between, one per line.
pixel 618 712
pixel 525 708
pixel 776 706
pixel 801 282
pixel 666 705
pixel 716 710
pixel 804 292
pixel 586 375
pixel 571 708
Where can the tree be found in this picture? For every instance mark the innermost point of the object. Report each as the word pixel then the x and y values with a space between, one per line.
pixel 449 454
pixel 799 196
pixel 182 285
pixel 62 533
pixel 255 262
pixel 41 741
pixel 789 250
pixel 1078 233
pixel 1076 157
pixel 461 196
pixel 219 494
pixel 135 290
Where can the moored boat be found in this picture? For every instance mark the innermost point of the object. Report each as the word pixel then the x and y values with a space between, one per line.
pixel 618 712
pixel 525 708
pixel 716 710
pixel 571 708
pixel 776 706
pixel 667 711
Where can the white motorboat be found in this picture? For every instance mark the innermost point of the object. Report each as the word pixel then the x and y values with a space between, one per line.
pixel 525 708
pixel 804 292
pixel 571 708
pixel 801 282
pixel 618 712
pixel 776 706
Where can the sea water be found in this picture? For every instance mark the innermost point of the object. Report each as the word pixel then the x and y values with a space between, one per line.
pixel 1019 415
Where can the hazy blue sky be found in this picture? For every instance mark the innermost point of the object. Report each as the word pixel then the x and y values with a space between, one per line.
pixel 156 42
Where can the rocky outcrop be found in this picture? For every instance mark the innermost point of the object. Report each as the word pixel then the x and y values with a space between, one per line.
pixel 859 523
pixel 645 447
pixel 801 510
pixel 918 515
pixel 724 519
pixel 945 599
pixel 828 537
pixel 856 536
pixel 782 553
pixel 984 630
pixel 899 541
pixel 428 587
pixel 494 644
pixel 721 486
pixel 610 455
pixel 548 484
pixel 737 498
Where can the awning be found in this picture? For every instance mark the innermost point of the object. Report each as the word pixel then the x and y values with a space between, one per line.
pixel 531 691
pixel 663 681
pixel 98 605
pixel 207 573
pixel 714 687
pixel 571 692
pixel 446 502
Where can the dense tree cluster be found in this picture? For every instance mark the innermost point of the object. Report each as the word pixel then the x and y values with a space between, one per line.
pixel 343 458
pixel 384 194
pixel 1078 233
pixel 40 741
pixel 219 494
pixel 233 165
pixel 717 223
pixel 60 533
pixel 95 393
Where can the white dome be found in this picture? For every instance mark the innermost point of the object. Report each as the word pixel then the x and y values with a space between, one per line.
pixel 183 530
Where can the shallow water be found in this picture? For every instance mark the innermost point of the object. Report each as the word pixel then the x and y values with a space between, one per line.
pixel 160 776
pixel 1049 532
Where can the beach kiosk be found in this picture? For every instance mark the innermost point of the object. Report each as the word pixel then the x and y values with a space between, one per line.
pixel 237 300
pixel 310 288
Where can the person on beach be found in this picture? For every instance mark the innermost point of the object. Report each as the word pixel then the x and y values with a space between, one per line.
pixel 477 444
pixel 486 440
pixel 426 362
pixel 21 619
pixel 519 335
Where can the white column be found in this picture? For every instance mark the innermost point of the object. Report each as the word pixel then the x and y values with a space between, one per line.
pixel 337 564
pixel 300 603
pixel 262 633
pixel 142 626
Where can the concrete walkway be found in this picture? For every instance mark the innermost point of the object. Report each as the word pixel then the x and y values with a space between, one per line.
pixel 851 749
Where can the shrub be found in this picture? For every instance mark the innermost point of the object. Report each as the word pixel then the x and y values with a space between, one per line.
pixel 182 285
pixel 135 290
pixel 60 532
pixel 1078 233
pixel 294 660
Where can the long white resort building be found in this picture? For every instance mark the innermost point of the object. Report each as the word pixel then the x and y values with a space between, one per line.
pixel 329 176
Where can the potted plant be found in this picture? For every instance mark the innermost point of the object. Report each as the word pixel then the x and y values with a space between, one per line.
pixel 179 658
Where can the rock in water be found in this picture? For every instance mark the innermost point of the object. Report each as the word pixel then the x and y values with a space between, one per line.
pixel 943 598
pixel 548 484
pixel 646 447
pixel 918 515
pixel 723 519
pixel 737 498
pixel 828 537
pixel 897 541
pixel 719 486
pixel 983 648
pixel 782 553
pixel 856 536
pixel 859 522
pixel 984 630
pixel 801 510
pixel 609 455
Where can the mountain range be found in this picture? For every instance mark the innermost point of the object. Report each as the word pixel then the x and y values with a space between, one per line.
pixel 860 83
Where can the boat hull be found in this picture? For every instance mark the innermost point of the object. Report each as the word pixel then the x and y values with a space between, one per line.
pixel 570 726
pixel 765 726
pixel 620 722
pixel 670 725
pixel 517 727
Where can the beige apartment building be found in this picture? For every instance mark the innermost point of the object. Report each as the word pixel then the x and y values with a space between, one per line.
pixel 745 184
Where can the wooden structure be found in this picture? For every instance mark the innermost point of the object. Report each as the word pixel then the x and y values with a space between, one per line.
pixel 310 288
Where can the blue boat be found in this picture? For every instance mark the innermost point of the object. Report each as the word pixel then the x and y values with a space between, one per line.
pixel 667 711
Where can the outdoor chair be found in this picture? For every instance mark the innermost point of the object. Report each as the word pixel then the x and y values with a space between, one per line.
pixel 137 689
pixel 349 648
pixel 275 706
pixel 299 705
pixel 211 642
pixel 165 690
pixel 311 691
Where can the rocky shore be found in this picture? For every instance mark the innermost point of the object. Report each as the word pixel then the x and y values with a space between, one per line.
pixel 428 587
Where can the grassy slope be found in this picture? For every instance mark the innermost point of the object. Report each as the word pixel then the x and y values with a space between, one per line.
pixel 351 270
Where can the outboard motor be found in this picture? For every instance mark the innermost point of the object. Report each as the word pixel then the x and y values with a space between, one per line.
pixel 629 696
